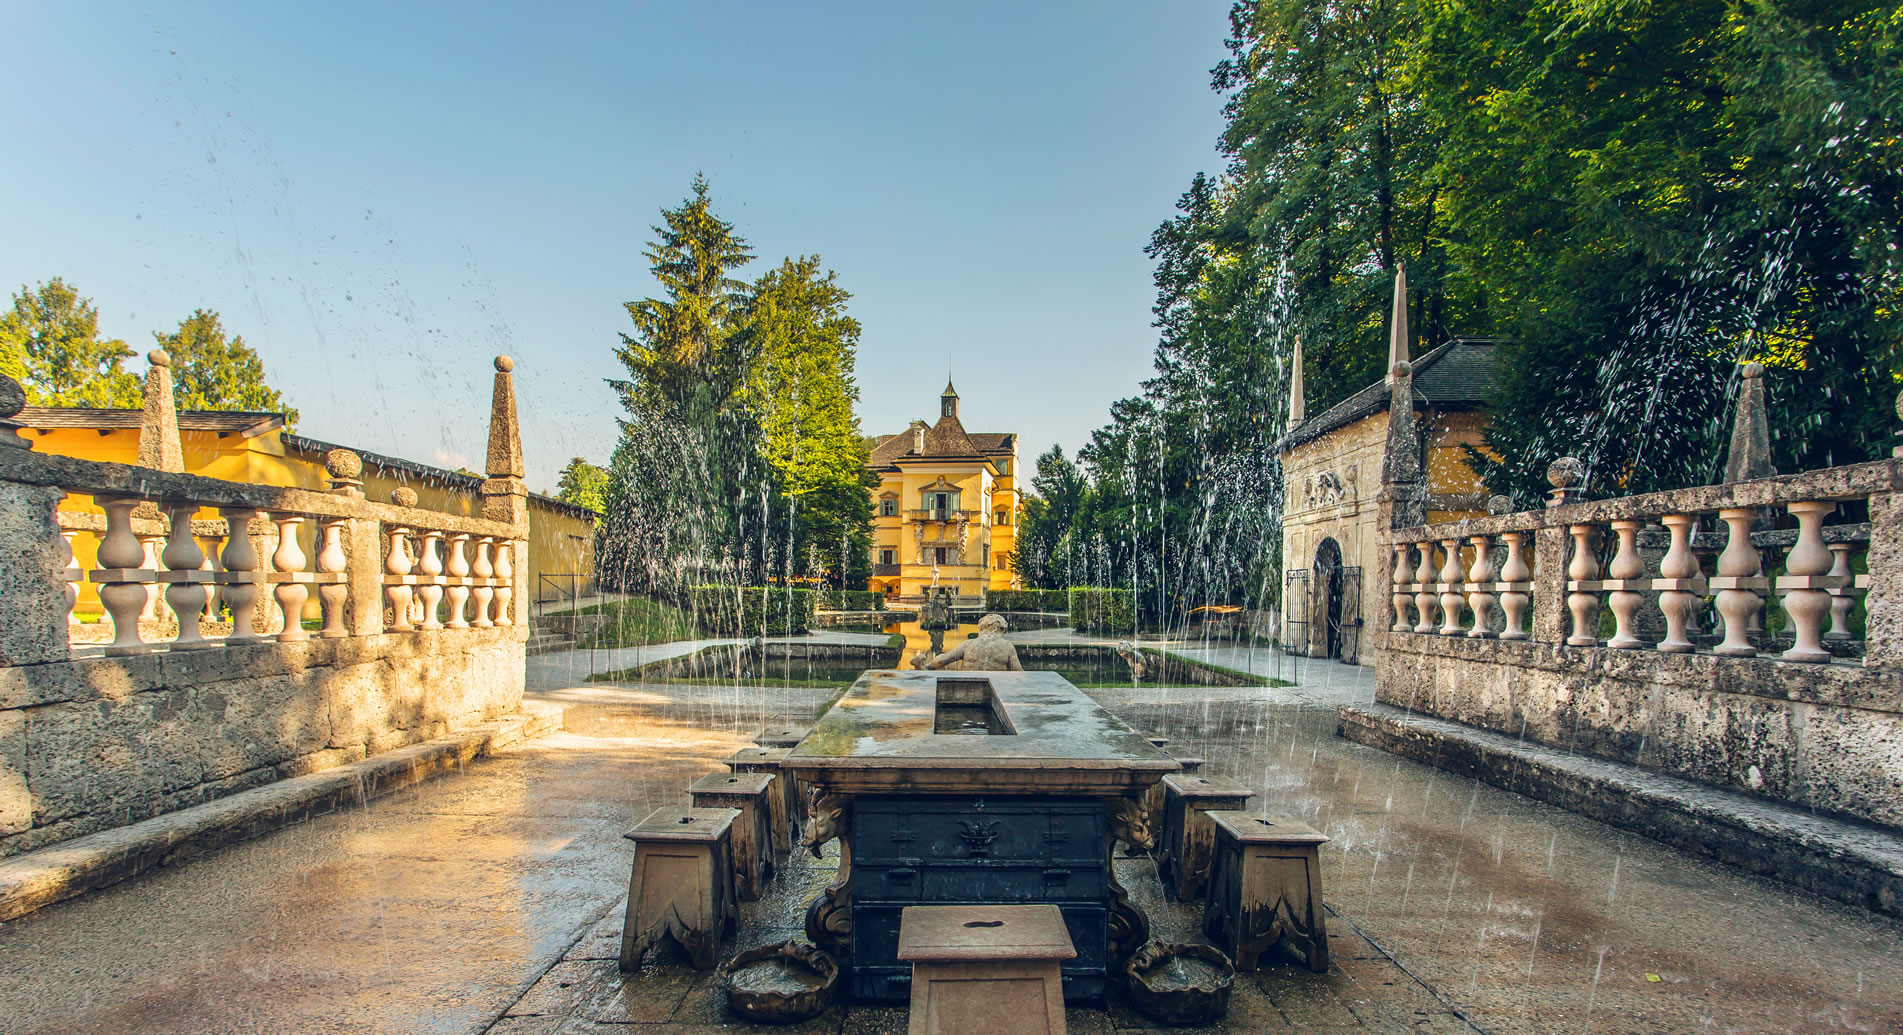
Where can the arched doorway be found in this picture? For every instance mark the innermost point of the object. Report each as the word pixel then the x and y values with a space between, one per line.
pixel 1328 585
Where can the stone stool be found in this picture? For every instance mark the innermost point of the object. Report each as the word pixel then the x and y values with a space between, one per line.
pixel 782 807
pixel 752 839
pixel 682 885
pixel 1265 884
pixel 1153 795
pixel 990 969
pixel 781 736
pixel 1187 834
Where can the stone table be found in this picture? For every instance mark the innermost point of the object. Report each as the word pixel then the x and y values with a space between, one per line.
pixel 976 788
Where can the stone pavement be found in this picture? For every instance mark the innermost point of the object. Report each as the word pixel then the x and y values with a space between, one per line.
pixel 486 901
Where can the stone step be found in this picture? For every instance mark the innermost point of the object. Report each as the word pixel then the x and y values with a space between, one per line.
pixel 1852 862
pixel 72 868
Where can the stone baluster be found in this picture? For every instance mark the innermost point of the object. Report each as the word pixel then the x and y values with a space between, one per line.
pixel 458 570
pixel 1403 596
pixel 1841 598
pixel 70 569
pixel 1453 601
pixel 1480 587
pixel 1808 582
pixel 1680 588
pixel 152 544
pixel 212 543
pixel 398 563
pixel 505 582
pixel 331 562
pixel 287 565
pixel 1740 577
pixel 122 580
pixel 1626 574
pixel 1582 592
pixel 1516 577
pixel 185 577
pixel 239 585
pixel 431 565
pixel 485 570
pixel 1426 604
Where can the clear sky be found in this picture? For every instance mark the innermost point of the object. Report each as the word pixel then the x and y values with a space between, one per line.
pixel 381 197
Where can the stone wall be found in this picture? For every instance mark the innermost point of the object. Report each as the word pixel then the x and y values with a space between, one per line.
pixel 1825 734
pixel 92 743
pixel 423 618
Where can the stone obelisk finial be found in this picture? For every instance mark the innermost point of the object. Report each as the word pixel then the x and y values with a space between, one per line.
pixel 505 497
pixel 1297 404
pixel 1750 453
pixel 158 431
pixel 1397 323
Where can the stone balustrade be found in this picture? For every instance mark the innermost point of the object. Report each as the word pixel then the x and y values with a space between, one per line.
pixel 1739 571
pixel 170 574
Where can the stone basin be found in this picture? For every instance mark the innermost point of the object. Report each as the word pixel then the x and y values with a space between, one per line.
pixel 1034 733
pixel 1180 983
pixel 783 983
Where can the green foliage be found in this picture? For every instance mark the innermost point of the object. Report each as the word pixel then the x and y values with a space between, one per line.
pixel 752 610
pixel 851 600
pixel 740 457
pixel 1103 611
pixel 1051 600
pixel 211 373
pixel 49 342
pixel 637 621
pixel 584 485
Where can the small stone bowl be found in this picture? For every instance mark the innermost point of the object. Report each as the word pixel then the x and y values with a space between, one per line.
pixel 783 983
pixel 1180 983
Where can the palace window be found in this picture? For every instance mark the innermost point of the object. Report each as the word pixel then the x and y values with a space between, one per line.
pixel 886 557
pixel 1002 518
pixel 1004 468
pixel 888 508
pixel 1004 563
pixel 937 504
pixel 939 554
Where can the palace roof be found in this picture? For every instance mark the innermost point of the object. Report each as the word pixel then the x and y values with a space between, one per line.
pixel 945 441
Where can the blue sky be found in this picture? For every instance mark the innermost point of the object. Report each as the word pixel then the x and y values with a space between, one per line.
pixel 382 197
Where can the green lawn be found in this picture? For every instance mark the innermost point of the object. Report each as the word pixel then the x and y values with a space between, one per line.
pixel 638 621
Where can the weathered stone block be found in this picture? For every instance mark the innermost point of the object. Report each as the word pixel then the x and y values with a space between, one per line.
pixel 246 724
pixel 1854 763
pixel 16 804
pixel 32 591
pixel 117 756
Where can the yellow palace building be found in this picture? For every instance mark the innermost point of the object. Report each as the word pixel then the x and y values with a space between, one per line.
pixel 945 511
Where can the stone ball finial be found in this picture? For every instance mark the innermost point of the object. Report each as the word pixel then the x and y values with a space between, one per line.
pixel 1754 369
pixel 1499 505
pixel 159 358
pixel 504 364
pixel 403 496
pixel 1402 368
pixel 1565 473
pixel 13 397
pixel 342 463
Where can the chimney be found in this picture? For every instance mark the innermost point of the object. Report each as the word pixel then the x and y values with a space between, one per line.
pixel 918 436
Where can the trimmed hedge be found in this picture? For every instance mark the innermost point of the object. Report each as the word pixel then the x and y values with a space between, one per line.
pixel 1100 610
pixel 1028 600
pixel 851 600
pixel 751 610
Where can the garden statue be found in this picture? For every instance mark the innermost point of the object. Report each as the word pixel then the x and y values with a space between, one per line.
pixel 936 617
pixel 989 651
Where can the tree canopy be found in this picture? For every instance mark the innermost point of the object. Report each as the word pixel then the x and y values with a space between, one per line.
pixel 210 372
pixel 584 485
pixel 740 454
pixel 50 343
pixel 1633 197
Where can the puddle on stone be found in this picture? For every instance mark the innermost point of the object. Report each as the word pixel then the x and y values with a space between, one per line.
pixel 1182 972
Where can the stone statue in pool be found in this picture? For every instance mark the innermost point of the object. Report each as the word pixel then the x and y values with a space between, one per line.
pixel 989 651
